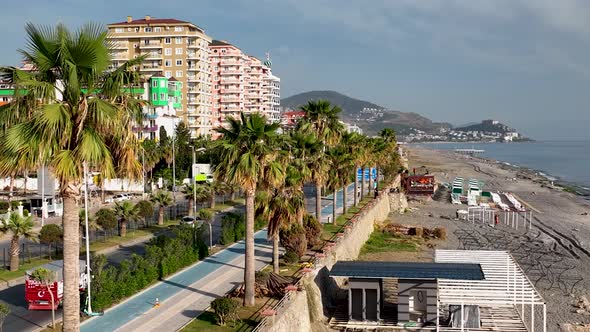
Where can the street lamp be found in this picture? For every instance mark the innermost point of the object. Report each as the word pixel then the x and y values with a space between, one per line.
pixel 195 178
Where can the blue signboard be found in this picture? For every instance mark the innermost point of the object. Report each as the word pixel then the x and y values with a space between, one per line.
pixel 359 173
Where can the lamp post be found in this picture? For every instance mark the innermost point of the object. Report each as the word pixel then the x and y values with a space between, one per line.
pixel 86 212
pixel 195 178
pixel 173 172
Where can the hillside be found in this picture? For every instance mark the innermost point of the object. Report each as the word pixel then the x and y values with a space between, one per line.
pixel 371 121
pixel 487 126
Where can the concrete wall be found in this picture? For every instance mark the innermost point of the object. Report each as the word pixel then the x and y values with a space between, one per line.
pixel 322 291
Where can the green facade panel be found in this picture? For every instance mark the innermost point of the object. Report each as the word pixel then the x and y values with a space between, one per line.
pixel 159 91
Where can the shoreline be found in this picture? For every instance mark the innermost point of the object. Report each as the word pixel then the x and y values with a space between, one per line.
pixel 542 177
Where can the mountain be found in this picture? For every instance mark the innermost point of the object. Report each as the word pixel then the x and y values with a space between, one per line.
pixel 369 116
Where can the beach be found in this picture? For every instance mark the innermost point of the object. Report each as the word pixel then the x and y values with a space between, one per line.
pixel 555 253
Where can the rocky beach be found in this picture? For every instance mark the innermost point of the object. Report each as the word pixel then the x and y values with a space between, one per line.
pixel 555 253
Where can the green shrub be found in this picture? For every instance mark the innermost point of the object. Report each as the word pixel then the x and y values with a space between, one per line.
pixel 107 219
pixel 26 213
pixel 51 234
pixel 290 257
pixel 233 228
pixel 4 206
pixel 293 238
pixel 145 209
pixel 225 310
pixel 14 205
pixel 313 230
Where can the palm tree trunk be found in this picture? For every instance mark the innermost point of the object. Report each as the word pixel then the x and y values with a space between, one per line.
pixel 370 183
pixel 190 207
pixel 26 176
pixel 212 200
pixel 232 196
pixel 356 187
pixel 161 216
pixel 52 305
pixel 10 190
pixel 318 202
pixel 275 253
pixel 344 194
pixel 363 183
pixel 71 272
pixel 14 251
pixel 123 228
pixel 335 196
pixel 249 266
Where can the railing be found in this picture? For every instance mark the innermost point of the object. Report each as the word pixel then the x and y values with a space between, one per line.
pixel 318 260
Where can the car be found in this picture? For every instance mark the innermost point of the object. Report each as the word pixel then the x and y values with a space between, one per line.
pixel 117 198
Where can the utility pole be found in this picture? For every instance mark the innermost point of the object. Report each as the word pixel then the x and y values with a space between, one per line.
pixel 173 171
pixel 86 212
pixel 143 173
pixel 42 194
pixel 194 182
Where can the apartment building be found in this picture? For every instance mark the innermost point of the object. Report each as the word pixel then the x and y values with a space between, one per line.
pixel 173 49
pixel 242 83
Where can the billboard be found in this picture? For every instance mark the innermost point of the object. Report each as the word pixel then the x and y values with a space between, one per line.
pixel 359 174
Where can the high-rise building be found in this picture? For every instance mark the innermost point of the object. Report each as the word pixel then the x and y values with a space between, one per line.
pixel 173 49
pixel 242 83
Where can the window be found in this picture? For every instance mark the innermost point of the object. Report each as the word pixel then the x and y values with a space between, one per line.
pixel 179 73
pixel 137 29
pixel 215 69
pixel 179 62
pixel 167 40
pixel 162 84
pixel 147 29
pixel 178 29
pixel 223 50
pixel 168 63
pixel 178 40
pixel 157 29
pixel 162 96
pixel 179 51
pixel 119 30
pixel 154 83
pixel 168 74
pixel 154 95
pixel 168 51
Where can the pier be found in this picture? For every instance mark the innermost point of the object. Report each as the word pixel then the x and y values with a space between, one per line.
pixel 469 151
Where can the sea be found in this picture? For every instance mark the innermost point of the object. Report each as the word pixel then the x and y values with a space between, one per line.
pixel 566 162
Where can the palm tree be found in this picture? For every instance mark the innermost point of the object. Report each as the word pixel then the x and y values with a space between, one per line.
pixel 244 150
pixel 19 227
pixel 88 120
pixel 188 191
pixel 163 199
pixel 126 212
pixel 353 144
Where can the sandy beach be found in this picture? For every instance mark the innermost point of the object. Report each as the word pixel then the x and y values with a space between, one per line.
pixel 555 253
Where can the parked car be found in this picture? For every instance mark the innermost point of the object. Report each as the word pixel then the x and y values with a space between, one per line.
pixel 118 198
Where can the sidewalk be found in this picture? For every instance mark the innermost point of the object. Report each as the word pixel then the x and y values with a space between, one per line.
pixel 184 295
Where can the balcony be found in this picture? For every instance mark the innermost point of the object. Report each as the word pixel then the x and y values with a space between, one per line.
pixel 150 116
pixel 228 80
pixel 119 45
pixel 145 129
pixel 153 55
pixel 230 99
pixel 151 44
pixel 231 90
pixel 150 68
pixel 233 72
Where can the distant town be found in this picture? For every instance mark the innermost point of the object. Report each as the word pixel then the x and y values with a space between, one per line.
pixel 486 131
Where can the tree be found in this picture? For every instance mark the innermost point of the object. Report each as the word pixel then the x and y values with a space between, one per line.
pixel 19 227
pixel 89 120
pixel 46 278
pixel 145 209
pixel 51 234
pixel 4 311
pixel 244 150
pixel 163 199
pixel 126 212
pixel 225 310
pixel 106 219
pixel 207 216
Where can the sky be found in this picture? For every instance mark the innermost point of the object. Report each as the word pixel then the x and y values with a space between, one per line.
pixel 523 62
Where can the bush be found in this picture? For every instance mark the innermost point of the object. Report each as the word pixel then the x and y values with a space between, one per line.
pixel 51 234
pixel 233 228
pixel 4 206
pixel 164 255
pixel 145 209
pixel 107 219
pixel 225 310
pixel 440 233
pixel 290 257
pixel 313 230
pixel 25 213
pixel 293 238
pixel 14 205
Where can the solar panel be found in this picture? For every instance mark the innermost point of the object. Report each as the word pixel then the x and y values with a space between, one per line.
pixel 409 270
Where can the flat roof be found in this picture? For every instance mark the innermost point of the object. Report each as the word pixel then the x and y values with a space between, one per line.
pixel 407 270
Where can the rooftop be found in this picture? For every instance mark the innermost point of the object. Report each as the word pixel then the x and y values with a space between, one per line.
pixel 408 270
pixel 216 42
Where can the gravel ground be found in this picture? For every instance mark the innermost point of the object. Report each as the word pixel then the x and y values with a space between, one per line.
pixel 555 254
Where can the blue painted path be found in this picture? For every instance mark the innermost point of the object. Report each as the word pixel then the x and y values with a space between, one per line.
pixel 139 304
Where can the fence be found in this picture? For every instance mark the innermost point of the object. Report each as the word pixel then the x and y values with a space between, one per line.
pixel 30 251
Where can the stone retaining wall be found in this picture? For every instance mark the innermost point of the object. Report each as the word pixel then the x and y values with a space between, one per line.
pixel 318 292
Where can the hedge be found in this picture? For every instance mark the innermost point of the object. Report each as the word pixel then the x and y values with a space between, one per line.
pixel 164 256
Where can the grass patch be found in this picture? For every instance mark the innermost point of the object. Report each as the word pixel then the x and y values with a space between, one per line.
pixel 206 322
pixel 383 242
pixel 8 275
pixel 329 230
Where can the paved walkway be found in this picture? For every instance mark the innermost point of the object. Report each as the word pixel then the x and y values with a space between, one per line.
pixel 183 296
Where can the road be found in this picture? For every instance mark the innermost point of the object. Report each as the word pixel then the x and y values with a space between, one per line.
pixel 183 296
